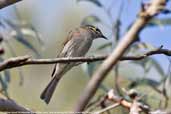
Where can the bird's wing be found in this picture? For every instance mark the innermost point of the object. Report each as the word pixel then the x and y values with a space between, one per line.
pixel 68 38
pixel 54 69
pixel 63 53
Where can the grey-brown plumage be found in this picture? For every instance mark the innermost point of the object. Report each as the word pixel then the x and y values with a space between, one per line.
pixel 77 44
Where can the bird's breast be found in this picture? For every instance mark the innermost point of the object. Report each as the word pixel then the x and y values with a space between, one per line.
pixel 84 46
pixel 78 47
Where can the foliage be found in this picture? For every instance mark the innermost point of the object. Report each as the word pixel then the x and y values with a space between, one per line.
pixel 137 48
pixel 21 32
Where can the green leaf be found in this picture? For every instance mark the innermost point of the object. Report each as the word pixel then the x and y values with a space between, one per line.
pixel 106 45
pixel 146 63
pixel 154 63
pixel 138 47
pixel 14 55
pixel 143 81
pixel 29 30
pixel 7 77
pixel 149 63
pixel 159 22
pixel 18 34
pixel 144 45
pixel 89 20
pixel 89 69
pixel 167 83
pixel 27 44
pixel 4 84
pixel 4 79
pixel 12 52
pixel 6 72
pixel 96 2
pixel 21 81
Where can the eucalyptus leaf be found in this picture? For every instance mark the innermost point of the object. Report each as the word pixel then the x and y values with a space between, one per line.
pixel 166 11
pixel 9 46
pixel 154 63
pixel 37 34
pixel 159 22
pixel 149 63
pixel 103 46
pixel 89 20
pixel 6 73
pixel 89 69
pixel 144 45
pixel 143 81
pixel 18 34
pixel 29 30
pixel 96 2
pixel 12 52
pixel 7 76
pixel 4 85
pixel 167 85
pixel 27 44
pixel 136 47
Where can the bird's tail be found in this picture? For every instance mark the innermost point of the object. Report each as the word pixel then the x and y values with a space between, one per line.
pixel 50 88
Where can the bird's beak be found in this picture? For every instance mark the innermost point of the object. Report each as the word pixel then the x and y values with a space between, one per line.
pixel 104 37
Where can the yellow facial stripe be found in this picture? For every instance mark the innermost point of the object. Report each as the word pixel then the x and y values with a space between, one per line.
pixel 93 28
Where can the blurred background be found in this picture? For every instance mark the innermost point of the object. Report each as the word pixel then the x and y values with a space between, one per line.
pixel 39 27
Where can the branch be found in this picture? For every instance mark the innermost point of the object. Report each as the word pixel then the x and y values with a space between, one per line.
pixel 107 65
pixel 26 60
pixel 107 108
pixel 10 106
pixel 5 3
pixel 134 106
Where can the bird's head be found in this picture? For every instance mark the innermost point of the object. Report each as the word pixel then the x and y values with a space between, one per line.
pixel 96 33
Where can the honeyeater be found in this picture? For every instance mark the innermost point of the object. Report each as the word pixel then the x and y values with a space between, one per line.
pixel 77 44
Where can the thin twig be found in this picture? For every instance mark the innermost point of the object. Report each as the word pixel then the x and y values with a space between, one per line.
pixel 97 104
pixel 26 60
pixel 5 3
pixel 108 108
pixel 114 97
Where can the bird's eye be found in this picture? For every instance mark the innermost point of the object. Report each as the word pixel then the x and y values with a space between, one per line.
pixel 95 29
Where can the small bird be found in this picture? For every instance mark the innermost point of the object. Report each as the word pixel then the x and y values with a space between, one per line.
pixel 77 44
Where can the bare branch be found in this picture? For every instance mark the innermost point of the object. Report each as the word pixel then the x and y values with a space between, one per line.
pixel 5 3
pixel 107 108
pixel 26 60
pixel 134 106
pixel 10 106
pixel 112 96
pixel 112 60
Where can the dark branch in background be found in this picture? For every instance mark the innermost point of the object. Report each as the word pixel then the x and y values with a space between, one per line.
pixel 145 16
pixel 5 3
pixel 26 60
pixel 10 106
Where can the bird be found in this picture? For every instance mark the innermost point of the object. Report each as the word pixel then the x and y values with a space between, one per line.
pixel 77 44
